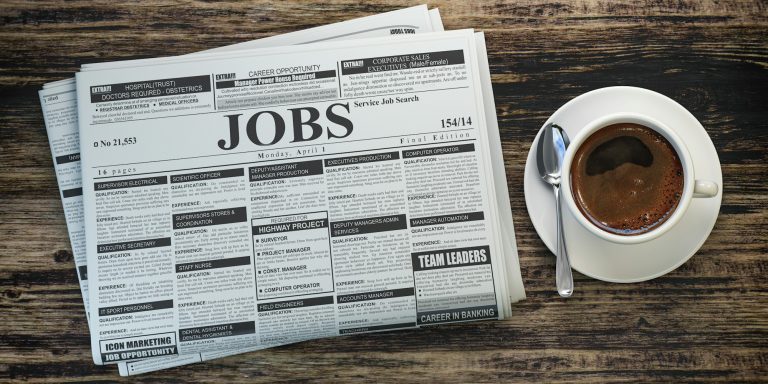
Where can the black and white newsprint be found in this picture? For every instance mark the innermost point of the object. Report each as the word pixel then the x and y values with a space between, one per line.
pixel 262 197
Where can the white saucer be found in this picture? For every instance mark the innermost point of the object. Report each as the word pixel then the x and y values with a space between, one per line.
pixel 619 263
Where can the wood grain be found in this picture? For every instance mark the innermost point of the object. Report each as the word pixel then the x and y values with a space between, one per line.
pixel 705 322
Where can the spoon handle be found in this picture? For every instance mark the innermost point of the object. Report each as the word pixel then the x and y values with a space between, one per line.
pixel 563 275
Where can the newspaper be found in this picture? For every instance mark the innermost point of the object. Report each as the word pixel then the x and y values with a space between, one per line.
pixel 504 208
pixel 269 196
pixel 59 107
pixel 214 344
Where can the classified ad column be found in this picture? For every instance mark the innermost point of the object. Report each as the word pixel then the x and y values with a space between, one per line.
pixel 451 255
pixel 293 261
pixel 374 282
pixel 212 258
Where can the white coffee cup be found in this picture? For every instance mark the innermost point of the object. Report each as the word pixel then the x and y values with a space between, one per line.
pixel 692 187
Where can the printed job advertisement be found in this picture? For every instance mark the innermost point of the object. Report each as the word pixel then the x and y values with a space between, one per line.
pixel 332 189
pixel 60 114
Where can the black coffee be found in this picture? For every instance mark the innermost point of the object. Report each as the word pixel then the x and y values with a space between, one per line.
pixel 626 179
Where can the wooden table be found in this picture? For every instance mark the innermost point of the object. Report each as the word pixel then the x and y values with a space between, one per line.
pixel 706 321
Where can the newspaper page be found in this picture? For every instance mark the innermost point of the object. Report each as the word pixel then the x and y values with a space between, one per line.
pixel 313 227
pixel 59 109
pixel 508 240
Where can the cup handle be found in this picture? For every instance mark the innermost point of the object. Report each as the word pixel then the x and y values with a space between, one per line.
pixel 705 188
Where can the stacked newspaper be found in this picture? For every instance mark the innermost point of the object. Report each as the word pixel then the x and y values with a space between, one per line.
pixel 338 180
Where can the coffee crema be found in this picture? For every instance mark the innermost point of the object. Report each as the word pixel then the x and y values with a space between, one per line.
pixel 626 179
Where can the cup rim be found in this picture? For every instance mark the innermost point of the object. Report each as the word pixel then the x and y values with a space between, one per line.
pixel 659 127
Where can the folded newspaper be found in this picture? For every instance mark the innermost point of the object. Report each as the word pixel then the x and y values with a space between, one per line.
pixel 266 193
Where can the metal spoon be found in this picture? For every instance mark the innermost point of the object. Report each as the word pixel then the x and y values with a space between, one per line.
pixel 549 158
